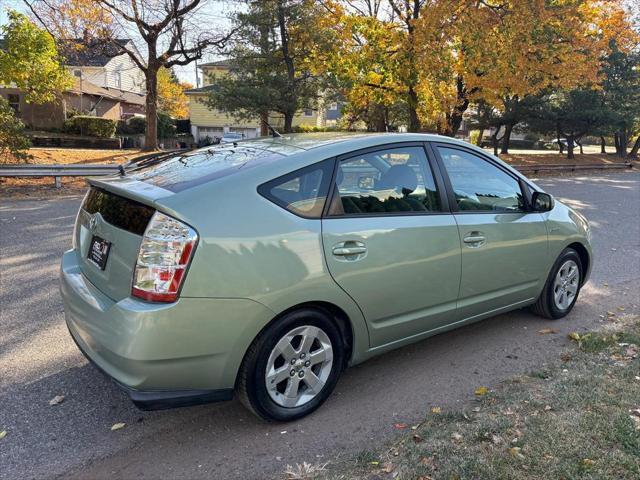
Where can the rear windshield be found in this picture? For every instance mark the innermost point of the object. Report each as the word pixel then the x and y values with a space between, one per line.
pixel 185 171
pixel 120 212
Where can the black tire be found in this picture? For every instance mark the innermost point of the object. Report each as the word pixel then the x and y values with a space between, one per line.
pixel 251 384
pixel 545 306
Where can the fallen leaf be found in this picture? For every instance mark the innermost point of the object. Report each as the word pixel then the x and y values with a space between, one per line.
pixel 611 314
pixel 387 467
pixel 635 411
pixel 515 452
pixel 605 284
pixel 117 426
pixel 417 438
pixel 587 462
pixel 480 391
pixel 547 408
pixel 475 409
pixel 426 461
pixel 621 309
pixel 400 425
pixel 545 331
pixel 631 351
pixel 574 336
pixel 57 400
pixel 436 410
pixel 456 437
pixel 3 434
pixel 566 356
pixel 374 463
pixel 496 440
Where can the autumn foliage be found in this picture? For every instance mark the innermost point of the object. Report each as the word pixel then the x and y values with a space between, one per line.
pixel 437 57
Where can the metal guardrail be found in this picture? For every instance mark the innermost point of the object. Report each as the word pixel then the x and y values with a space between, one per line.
pixel 58 171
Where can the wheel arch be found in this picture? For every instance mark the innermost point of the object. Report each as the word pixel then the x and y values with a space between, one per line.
pixel 334 312
pixel 585 258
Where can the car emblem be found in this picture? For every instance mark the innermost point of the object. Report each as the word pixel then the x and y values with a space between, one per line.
pixel 93 222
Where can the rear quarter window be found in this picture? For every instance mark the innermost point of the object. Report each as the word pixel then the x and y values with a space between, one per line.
pixel 303 192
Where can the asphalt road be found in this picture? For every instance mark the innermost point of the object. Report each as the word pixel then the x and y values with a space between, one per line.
pixel 38 361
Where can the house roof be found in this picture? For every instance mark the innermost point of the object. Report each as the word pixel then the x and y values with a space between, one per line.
pixel 195 91
pixel 217 63
pixel 87 88
pixel 93 53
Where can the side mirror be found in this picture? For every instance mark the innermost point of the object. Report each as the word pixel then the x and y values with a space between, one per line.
pixel 541 202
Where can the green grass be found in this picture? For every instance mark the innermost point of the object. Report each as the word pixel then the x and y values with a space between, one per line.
pixel 571 420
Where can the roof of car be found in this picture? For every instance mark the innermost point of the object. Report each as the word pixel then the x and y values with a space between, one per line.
pixel 307 141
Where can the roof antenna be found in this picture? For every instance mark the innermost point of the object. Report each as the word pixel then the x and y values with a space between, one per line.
pixel 273 131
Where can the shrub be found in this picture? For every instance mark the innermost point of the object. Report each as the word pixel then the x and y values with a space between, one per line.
pixel 13 142
pixel 474 136
pixel 90 126
pixel 166 126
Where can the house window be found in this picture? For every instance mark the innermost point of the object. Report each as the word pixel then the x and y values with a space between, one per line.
pixel 77 73
pixel 333 106
pixel 119 79
pixel 14 102
pixel 308 112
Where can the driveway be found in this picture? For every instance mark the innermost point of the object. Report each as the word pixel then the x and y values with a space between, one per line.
pixel 38 361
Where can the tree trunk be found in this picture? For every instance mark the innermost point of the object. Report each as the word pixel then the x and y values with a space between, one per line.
pixel 623 139
pixel 414 121
pixel 579 143
pixel 494 140
pixel 454 119
pixel 634 151
pixel 616 141
pixel 151 133
pixel 264 120
pixel 603 145
pixel 288 122
pixel 558 137
pixel 506 139
pixel 570 146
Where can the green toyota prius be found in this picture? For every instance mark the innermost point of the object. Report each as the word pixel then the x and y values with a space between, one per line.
pixel 265 267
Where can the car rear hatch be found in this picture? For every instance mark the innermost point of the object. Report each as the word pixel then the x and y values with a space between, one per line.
pixel 109 230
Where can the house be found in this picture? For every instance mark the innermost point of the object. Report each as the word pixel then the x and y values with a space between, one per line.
pixel 208 123
pixel 83 98
pixel 104 64
pixel 106 84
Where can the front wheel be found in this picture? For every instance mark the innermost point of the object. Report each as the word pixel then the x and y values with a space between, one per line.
pixel 562 287
pixel 292 367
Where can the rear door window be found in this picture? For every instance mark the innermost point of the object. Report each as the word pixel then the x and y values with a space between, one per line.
pixel 302 192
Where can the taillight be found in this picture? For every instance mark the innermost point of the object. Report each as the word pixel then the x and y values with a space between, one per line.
pixel 166 250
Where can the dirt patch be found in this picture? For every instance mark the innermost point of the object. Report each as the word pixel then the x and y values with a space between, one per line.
pixel 534 158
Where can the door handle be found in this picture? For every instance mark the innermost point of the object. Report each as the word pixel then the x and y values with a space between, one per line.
pixel 474 239
pixel 344 249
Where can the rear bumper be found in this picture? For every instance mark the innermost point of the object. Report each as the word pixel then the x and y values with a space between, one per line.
pixel 161 400
pixel 163 355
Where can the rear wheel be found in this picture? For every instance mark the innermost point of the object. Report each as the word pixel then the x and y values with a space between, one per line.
pixel 292 367
pixel 562 287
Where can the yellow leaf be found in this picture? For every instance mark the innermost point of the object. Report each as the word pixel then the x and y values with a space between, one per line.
pixel 117 426
pixel 574 336
pixel 436 410
pixel 515 452
pixel 481 391
pixel 587 462
pixel 544 331
pixel 3 434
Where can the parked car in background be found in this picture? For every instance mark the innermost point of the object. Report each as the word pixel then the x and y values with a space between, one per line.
pixel 266 267
pixel 230 137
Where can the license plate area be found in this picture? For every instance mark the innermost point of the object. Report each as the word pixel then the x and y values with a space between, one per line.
pixel 99 251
